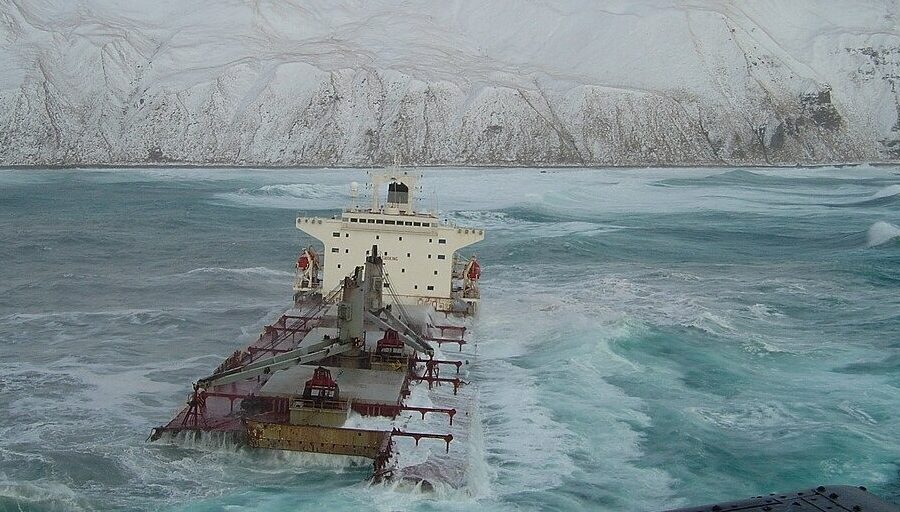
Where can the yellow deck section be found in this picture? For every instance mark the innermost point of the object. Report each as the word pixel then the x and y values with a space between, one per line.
pixel 317 439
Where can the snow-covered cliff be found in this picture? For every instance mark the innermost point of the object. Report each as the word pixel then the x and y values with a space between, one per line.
pixel 286 82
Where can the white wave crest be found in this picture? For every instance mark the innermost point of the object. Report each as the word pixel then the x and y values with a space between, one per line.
pixel 747 416
pixel 42 496
pixel 881 233
pixel 889 191
pixel 249 271
pixel 300 190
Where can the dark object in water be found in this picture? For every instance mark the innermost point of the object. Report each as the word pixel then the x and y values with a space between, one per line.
pixel 838 498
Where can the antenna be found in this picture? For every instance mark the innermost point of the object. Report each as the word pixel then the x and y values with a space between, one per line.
pixel 354 195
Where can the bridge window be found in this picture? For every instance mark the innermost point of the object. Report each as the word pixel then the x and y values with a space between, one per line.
pixel 354 219
pixel 417 223
pixel 389 222
pixel 371 221
pixel 398 193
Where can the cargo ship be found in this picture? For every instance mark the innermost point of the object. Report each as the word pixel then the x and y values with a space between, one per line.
pixel 371 360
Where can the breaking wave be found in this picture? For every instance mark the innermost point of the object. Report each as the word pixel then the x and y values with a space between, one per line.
pixel 46 496
pixel 300 190
pixel 881 233
pixel 249 271
pixel 889 191
pixel 305 196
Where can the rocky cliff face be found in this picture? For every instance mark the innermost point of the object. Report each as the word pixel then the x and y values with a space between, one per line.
pixel 467 82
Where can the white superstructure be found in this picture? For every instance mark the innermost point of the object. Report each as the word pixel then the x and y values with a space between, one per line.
pixel 418 250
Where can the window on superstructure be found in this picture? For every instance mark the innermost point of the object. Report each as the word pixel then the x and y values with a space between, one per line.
pixel 335 249
pixel 402 270
pixel 398 193
pixel 435 272
pixel 400 238
pixel 442 240
pixel 346 235
pixel 346 251
pixel 336 234
pixel 415 287
pixel 339 265
pixel 377 237
pixel 409 255
pixel 430 287
pixel 429 256
pixel 441 257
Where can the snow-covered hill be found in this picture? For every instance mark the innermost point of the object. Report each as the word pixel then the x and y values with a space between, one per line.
pixel 286 82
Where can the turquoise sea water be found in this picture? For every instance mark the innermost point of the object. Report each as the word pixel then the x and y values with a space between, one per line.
pixel 648 338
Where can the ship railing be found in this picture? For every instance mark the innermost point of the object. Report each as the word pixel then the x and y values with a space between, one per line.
pixel 323 405
pixel 301 284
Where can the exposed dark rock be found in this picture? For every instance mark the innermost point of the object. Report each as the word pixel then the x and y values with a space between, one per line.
pixel 818 107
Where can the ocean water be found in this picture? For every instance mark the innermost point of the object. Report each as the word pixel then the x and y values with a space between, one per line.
pixel 648 338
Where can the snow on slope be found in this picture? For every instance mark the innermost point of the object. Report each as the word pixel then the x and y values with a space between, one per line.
pixel 285 82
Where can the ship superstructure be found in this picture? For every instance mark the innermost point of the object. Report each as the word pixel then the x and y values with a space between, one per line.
pixel 418 250
pixel 371 311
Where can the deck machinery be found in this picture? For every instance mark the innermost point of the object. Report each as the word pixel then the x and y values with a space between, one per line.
pixel 367 325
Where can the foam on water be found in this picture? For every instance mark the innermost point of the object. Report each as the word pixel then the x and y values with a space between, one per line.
pixel 648 339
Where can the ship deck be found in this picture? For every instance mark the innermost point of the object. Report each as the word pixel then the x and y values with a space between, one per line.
pixel 221 403
pixel 356 385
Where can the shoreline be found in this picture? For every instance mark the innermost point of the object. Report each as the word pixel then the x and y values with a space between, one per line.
pixel 175 165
